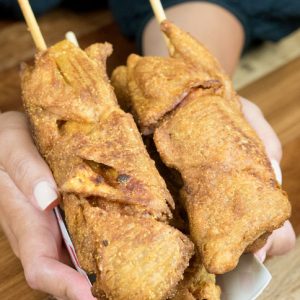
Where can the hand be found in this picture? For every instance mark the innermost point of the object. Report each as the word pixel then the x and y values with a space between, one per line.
pixel 27 193
pixel 283 239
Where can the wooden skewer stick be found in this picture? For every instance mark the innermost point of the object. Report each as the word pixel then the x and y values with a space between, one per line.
pixel 71 37
pixel 158 10
pixel 160 17
pixel 32 25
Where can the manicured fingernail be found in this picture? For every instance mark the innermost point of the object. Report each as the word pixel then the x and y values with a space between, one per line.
pixel 261 256
pixel 277 170
pixel 44 194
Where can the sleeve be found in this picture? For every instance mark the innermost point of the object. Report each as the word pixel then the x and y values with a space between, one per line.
pixel 133 15
pixel 261 20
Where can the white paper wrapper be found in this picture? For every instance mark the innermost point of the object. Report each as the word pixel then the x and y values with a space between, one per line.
pixel 277 170
pixel 69 244
pixel 247 281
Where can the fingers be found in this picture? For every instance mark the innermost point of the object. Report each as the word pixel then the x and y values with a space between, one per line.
pixel 263 129
pixel 40 254
pixel 57 279
pixel 281 241
pixel 18 216
pixel 21 160
pixel 39 245
pixel 266 133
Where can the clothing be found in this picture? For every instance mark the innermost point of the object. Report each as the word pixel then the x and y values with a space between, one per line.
pixel 10 8
pixel 261 19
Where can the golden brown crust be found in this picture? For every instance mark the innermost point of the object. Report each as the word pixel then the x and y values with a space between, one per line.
pixel 146 77
pixel 69 137
pixel 190 50
pixel 156 85
pixel 258 244
pixel 116 204
pixel 90 160
pixel 198 284
pixel 119 79
pixel 99 53
pixel 134 257
pixel 230 192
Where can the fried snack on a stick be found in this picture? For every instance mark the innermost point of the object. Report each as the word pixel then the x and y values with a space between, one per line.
pixel 115 202
pixel 230 193
pixel 157 85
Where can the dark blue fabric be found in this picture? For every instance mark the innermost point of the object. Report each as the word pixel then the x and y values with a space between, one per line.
pixel 262 19
pixel 10 8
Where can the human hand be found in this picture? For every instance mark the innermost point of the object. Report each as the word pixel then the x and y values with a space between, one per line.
pixel 283 239
pixel 27 194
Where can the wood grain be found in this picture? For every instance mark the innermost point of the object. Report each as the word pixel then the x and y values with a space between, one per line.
pixel 12 281
pixel 17 45
pixel 277 94
pixel 291 178
pixel 285 284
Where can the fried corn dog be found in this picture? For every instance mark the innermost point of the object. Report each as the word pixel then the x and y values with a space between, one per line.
pixel 229 191
pixel 116 204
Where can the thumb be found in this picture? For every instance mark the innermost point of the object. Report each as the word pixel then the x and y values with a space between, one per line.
pixel 51 276
pixel 21 161
pixel 263 129
pixel 281 241
pixel 266 133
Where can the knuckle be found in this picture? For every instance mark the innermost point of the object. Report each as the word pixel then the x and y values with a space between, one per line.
pixel 274 146
pixel 277 150
pixel 12 117
pixel 31 276
pixel 292 242
pixel 256 109
pixel 19 166
pixel 291 237
pixel 284 239
pixel 5 135
pixel 11 120
pixel 288 244
pixel 249 105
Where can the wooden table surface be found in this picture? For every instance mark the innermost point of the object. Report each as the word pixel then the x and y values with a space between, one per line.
pixel 278 95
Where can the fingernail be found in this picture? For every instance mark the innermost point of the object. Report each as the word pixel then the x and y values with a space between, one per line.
pixel 261 256
pixel 44 194
pixel 277 170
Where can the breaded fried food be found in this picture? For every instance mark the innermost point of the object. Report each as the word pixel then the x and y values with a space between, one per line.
pixel 134 257
pixel 197 284
pixel 116 204
pixel 143 79
pixel 229 191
